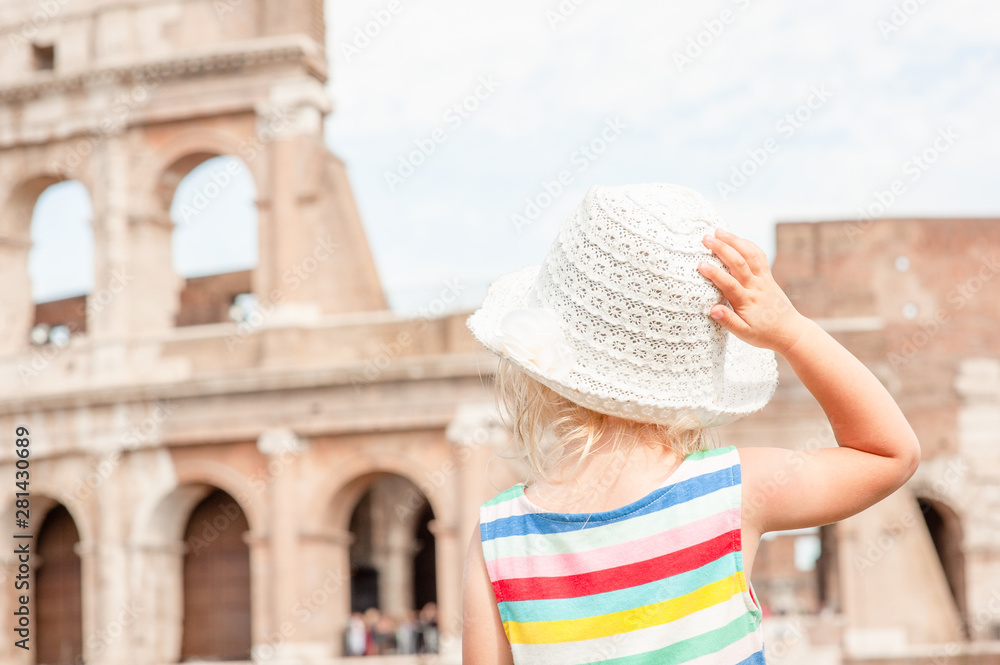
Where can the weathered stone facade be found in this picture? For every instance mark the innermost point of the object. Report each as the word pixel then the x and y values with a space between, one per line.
pixel 326 401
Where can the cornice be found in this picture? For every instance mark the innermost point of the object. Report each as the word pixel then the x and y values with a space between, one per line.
pixel 219 59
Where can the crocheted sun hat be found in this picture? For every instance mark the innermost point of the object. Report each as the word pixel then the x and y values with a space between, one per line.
pixel 616 317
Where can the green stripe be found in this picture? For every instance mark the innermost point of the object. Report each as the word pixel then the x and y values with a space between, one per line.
pixel 562 609
pixel 507 495
pixel 617 532
pixel 692 648
pixel 711 452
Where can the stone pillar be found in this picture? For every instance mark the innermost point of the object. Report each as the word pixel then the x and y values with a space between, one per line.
pixel 115 259
pixel 324 603
pixel 881 552
pixel 450 563
pixel 9 602
pixel 148 282
pixel 18 308
pixel 392 545
pixel 157 586
pixel 475 434
pixel 261 589
pixel 283 449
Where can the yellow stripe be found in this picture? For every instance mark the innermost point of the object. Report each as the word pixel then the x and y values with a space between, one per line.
pixel 606 625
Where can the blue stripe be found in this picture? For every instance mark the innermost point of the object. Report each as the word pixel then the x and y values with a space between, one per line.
pixel 755 659
pixel 661 499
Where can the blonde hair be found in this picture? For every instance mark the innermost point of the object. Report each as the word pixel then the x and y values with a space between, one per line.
pixel 550 430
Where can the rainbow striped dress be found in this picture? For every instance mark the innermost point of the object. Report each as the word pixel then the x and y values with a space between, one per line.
pixel 659 581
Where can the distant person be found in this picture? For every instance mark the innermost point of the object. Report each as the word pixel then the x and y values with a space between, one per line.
pixel 646 324
pixel 428 628
pixel 406 634
pixel 357 635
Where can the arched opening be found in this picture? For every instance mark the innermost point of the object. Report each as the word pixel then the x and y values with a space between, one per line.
pixel 393 571
pixel 58 591
pixel 46 262
pixel 945 529
pixel 216 585
pixel 214 245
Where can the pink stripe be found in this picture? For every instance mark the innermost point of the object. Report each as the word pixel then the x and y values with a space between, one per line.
pixel 620 554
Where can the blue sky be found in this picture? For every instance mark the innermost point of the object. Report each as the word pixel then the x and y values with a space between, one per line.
pixel 831 102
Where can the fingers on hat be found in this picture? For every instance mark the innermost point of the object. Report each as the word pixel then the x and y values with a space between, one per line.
pixel 725 282
pixel 751 253
pixel 733 259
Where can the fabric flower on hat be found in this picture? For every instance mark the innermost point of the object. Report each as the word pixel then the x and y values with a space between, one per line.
pixel 533 337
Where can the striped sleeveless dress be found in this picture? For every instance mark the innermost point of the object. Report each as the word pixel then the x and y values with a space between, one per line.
pixel 659 581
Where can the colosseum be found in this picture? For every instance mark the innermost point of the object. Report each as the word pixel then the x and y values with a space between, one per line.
pixel 204 486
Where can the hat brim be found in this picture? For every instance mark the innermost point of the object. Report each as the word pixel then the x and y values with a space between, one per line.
pixel 745 388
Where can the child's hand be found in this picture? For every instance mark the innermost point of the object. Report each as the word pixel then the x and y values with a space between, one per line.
pixel 761 313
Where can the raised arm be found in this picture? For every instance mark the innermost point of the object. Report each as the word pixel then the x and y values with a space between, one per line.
pixel 878 450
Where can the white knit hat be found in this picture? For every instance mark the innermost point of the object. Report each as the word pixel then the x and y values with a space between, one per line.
pixel 616 317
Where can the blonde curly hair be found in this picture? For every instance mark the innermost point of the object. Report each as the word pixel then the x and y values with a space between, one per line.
pixel 550 430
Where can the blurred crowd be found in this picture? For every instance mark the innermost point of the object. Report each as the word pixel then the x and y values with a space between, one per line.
pixel 377 634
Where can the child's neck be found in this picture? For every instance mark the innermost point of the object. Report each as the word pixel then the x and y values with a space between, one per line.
pixel 605 480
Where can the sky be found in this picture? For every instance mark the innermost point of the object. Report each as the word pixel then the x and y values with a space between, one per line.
pixel 457 120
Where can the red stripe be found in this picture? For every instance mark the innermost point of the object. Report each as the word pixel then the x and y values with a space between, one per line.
pixel 620 577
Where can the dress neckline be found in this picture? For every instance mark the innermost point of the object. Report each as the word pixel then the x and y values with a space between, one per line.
pixel 605 515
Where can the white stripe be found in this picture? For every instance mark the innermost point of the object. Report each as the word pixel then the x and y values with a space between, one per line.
pixel 582 540
pixel 648 639
pixel 686 471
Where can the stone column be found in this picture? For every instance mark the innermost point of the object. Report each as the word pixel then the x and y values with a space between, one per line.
pixel 157 586
pixel 324 603
pixel 18 308
pixel 115 260
pixel 283 450
pixel 392 545
pixel 261 588
pixel 476 433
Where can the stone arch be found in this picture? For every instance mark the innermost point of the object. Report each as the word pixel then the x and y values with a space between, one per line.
pixel 58 589
pixel 391 524
pixel 189 148
pixel 946 531
pixel 216 581
pixel 43 504
pixel 158 547
pixel 44 499
pixel 327 538
pixel 194 480
pixel 345 487
pixel 204 296
pixel 16 212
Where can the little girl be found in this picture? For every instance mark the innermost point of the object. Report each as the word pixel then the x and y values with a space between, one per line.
pixel 646 324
